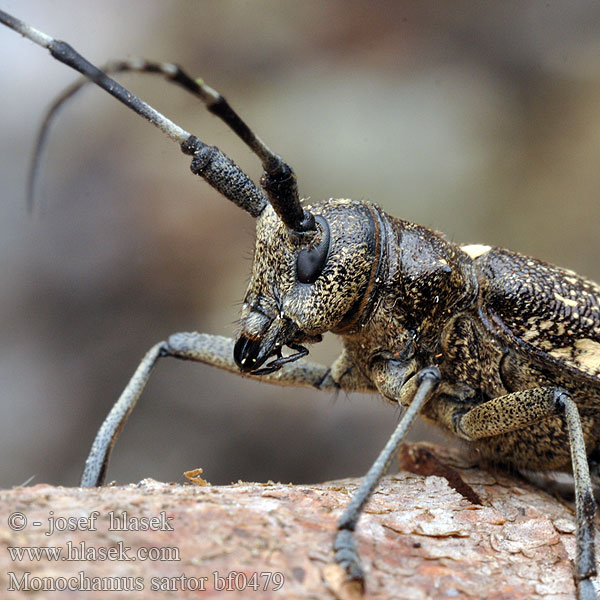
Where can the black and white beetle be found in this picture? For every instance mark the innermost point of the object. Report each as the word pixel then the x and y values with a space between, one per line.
pixel 500 349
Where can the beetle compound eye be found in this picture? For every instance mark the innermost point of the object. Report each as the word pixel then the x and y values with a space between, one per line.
pixel 310 261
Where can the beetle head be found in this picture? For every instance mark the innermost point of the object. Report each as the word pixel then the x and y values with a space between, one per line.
pixel 303 285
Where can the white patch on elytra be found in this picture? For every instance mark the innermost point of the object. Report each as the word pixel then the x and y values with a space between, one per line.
pixel 584 353
pixel 530 334
pixel 475 250
pixel 566 301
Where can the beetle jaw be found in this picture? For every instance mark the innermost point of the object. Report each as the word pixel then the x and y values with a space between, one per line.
pixel 252 350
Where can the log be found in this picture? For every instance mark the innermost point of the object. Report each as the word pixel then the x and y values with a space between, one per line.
pixel 451 530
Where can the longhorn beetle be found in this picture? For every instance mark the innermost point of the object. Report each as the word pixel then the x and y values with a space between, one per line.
pixel 500 349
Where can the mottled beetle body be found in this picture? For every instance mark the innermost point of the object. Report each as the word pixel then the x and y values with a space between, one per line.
pixel 493 321
pixel 500 349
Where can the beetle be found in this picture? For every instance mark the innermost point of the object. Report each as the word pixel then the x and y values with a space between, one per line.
pixel 500 349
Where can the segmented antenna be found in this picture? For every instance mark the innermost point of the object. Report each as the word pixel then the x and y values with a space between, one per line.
pixel 51 113
pixel 279 180
pixel 67 55
pixel 137 65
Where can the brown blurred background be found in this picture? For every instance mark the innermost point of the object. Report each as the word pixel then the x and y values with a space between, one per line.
pixel 480 119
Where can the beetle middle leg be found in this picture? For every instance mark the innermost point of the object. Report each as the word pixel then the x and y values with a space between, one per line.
pixel 423 384
pixel 518 410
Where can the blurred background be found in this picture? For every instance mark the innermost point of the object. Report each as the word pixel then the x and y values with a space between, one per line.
pixel 479 119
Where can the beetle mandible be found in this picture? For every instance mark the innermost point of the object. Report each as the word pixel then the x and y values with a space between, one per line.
pixel 500 349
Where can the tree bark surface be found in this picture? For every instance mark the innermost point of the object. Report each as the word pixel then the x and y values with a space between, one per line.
pixel 423 535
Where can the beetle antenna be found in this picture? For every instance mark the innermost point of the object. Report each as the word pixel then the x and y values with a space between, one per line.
pixel 64 53
pixel 132 65
pixel 278 180
pixel 208 162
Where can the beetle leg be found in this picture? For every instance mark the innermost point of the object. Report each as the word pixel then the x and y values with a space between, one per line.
pixel 520 409
pixel 96 463
pixel 212 350
pixel 346 554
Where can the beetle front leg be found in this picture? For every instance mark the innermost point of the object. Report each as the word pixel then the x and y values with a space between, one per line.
pixel 96 463
pixel 212 350
pixel 217 351
pixel 520 409
pixel 391 375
